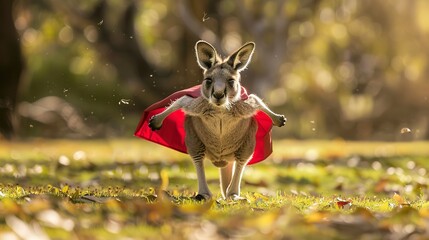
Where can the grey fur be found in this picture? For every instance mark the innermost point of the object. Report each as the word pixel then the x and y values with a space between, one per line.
pixel 219 125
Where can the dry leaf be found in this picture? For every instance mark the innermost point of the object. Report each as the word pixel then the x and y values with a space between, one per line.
pixel 400 200
pixel 343 204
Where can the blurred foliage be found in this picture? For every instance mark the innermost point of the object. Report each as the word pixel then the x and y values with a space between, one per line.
pixel 349 69
pixel 52 189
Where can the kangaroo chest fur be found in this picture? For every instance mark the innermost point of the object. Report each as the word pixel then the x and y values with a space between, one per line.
pixel 225 133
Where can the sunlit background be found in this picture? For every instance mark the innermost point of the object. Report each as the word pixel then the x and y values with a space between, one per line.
pixel 338 69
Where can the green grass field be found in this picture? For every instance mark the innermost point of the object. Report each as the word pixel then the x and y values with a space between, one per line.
pixel 132 189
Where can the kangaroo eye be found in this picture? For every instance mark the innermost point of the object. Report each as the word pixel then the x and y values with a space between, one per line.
pixel 208 81
pixel 231 82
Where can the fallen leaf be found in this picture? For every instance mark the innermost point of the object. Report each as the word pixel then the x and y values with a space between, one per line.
pixel 9 206
pixel 343 204
pixel 257 197
pixel 265 222
pixel 424 212
pixel 363 212
pixel 400 200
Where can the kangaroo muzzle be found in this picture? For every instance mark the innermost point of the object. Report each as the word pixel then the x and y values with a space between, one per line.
pixel 218 96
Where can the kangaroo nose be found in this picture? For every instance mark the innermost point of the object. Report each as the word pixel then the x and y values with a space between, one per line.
pixel 218 95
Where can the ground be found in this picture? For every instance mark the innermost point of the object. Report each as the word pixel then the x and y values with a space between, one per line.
pixel 132 189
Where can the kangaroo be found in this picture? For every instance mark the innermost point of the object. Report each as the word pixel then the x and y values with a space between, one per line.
pixel 218 124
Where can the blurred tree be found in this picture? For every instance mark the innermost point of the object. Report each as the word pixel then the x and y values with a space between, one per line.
pixel 337 68
pixel 363 72
pixel 117 41
pixel 11 66
pixel 111 28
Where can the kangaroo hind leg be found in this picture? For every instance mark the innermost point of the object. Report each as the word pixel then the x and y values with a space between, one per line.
pixel 242 157
pixel 225 177
pixel 196 150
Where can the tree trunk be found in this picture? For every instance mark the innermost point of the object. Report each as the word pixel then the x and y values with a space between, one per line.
pixel 11 65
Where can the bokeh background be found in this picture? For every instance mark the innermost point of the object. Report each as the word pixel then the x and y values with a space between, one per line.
pixel 338 69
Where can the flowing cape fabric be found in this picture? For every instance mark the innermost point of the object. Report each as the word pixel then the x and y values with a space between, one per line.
pixel 172 132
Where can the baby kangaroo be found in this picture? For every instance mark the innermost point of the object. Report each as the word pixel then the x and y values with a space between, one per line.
pixel 219 125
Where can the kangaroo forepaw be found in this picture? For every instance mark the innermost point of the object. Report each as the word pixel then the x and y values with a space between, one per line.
pixel 155 123
pixel 203 197
pixel 279 120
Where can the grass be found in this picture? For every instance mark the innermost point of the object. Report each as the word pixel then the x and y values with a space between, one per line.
pixel 131 189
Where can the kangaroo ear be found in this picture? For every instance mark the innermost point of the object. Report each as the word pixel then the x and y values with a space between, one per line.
pixel 206 54
pixel 241 58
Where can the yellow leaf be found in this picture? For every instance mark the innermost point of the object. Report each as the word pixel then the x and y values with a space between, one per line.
pixel 113 204
pixel 399 199
pixel 363 212
pixel 9 206
pixel 19 190
pixel 65 189
pixel 260 196
pixel 424 212
pixel 265 222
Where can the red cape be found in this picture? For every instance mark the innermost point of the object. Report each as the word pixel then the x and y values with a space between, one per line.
pixel 172 132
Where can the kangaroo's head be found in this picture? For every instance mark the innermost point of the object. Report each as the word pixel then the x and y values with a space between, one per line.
pixel 221 85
